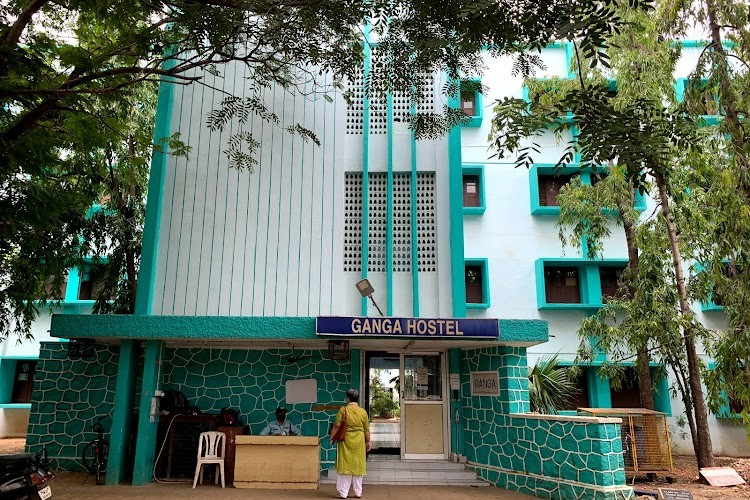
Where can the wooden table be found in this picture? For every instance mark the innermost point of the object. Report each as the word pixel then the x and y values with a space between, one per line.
pixel 277 462
pixel 229 456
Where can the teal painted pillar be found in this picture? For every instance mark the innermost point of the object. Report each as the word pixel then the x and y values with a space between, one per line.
pixel 599 394
pixel 457 432
pixel 455 197
pixel 121 415
pixel 591 285
pixel 662 398
pixel 145 447
pixel 355 356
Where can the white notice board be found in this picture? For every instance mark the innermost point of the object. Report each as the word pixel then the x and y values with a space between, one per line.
pixel 301 391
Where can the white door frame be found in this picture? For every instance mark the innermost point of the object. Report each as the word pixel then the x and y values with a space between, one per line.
pixel 443 401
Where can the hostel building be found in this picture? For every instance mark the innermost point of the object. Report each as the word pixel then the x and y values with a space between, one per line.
pixel 247 293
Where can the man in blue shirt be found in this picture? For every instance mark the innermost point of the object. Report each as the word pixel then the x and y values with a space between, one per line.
pixel 281 426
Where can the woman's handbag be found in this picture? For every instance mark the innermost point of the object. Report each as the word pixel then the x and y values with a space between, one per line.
pixel 341 433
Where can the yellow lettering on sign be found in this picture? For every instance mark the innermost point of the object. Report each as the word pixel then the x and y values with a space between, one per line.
pixel 450 327
pixel 397 327
pixel 458 332
pixel 366 327
pixel 411 326
pixel 421 327
pixel 431 327
pixel 376 325
pixel 356 325
pixel 387 326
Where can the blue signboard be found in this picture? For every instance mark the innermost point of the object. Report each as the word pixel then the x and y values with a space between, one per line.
pixel 408 327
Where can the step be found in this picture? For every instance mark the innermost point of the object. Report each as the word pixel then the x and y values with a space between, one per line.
pixel 414 465
pixel 419 473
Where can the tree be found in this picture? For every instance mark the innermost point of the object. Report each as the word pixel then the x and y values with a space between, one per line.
pixel 700 218
pixel 550 387
pixel 63 63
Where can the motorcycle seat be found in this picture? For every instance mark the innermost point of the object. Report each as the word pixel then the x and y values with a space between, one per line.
pixel 16 457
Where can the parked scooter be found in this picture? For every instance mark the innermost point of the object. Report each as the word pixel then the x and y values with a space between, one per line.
pixel 25 476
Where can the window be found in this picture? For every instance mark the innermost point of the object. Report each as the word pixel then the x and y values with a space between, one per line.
pixel 92 282
pixel 52 292
pixel 471 191
pixel 577 284
pixel 23 381
pixel 476 280
pixel 735 406
pixel 562 285
pixel 629 393
pixel 581 397
pixel 610 279
pixel 704 99
pixel 470 101
pixel 549 188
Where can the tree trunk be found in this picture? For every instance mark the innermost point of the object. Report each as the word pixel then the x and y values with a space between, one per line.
pixel 703 447
pixel 645 384
pixel 734 125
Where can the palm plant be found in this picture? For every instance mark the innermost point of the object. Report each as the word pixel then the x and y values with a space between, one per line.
pixel 550 387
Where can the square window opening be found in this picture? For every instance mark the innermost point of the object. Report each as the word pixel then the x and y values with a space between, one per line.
pixel 562 285
pixel 92 282
pixel 23 381
pixel 549 188
pixel 474 284
pixel 471 191
pixel 611 280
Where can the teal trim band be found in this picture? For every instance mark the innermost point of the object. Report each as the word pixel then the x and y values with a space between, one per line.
pixel 149 253
pixel 7 375
pixel 589 282
pixel 365 166
pixel 271 328
pixel 121 418
pixel 15 406
pixel 414 225
pixel 355 355
pixel 145 447
pixel 478 170
pixel 483 264
pixel 455 197
pixel 389 210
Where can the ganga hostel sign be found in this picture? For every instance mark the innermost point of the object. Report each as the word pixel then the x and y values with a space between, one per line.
pixel 408 327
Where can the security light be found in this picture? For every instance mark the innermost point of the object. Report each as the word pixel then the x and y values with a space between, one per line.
pixel 366 290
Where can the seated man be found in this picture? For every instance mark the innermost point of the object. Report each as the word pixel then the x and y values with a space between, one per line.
pixel 281 426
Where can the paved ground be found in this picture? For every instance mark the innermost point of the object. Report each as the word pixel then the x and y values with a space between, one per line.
pixel 385 434
pixel 68 486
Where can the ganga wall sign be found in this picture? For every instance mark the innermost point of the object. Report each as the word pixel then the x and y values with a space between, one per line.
pixel 485 384
pixel 408 327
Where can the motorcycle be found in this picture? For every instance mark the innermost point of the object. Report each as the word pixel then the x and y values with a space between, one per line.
pixel 25 476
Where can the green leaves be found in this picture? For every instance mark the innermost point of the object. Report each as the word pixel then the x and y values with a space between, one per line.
pixel 551 389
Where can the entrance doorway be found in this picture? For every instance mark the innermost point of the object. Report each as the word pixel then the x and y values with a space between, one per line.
pixel 382 402
pixel 406 398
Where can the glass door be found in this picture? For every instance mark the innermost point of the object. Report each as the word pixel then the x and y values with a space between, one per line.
pixel 423 407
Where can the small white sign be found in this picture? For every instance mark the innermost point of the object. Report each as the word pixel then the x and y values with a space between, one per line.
pixel 455 381
pixel 422 374
pixel 301 391
pixel 485 384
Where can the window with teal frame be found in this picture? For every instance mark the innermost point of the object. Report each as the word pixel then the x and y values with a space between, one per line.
pixel 9 386
pixel 587 277
pixel 712 304
pixel 729 410
pixel 473 178
pixel 545 171
pixel 477 281
pixel 709 118
pixel 471 101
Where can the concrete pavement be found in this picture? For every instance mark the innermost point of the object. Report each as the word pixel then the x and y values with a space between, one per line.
pixel 68 487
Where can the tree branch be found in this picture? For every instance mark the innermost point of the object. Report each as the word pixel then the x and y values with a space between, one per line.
pixel 15 31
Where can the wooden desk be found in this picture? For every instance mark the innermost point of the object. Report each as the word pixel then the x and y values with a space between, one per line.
pixel 277 462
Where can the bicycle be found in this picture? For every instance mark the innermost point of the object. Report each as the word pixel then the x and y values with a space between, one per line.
pixel 95 453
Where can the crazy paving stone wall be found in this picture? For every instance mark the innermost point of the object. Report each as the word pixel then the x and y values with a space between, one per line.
pixel 549 457
pixel 68 395
pixel 253 383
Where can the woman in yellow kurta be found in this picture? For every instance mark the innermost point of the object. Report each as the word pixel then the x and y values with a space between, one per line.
pixel 351 453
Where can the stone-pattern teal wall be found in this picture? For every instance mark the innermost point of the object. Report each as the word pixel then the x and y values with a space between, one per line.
pixel 548 458
pixel 68 395
pixel 253 383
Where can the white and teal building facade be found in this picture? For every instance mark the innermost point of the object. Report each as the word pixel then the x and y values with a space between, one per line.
pixel 248 277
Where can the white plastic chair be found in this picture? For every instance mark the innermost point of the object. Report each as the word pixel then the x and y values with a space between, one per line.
pixel 211 448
